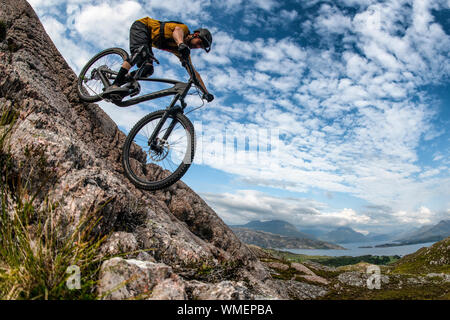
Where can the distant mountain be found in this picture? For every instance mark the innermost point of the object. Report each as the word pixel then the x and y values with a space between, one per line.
pixel 428 233
pixel 315 232
pixel 270 240
pixel 379 236
pixel 277 227
pixel 344 235
pixel 407 233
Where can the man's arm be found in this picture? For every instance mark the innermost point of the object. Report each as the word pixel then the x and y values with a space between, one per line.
pixel 178 35
pixel 197 75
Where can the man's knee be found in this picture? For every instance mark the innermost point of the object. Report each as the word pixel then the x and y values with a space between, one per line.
pixel 140 56
pixel 147 70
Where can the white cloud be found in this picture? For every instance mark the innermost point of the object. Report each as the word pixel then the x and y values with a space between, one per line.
pixel 288 15
pixel 247 205
pixel 75 55
pixel 243 206
pixel 331 20
pixel 265 4
pixel 352 120
pixel 189 12
pixel 421 216
pixel 101 25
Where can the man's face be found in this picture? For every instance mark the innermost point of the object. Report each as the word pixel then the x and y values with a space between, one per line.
pixel 196 43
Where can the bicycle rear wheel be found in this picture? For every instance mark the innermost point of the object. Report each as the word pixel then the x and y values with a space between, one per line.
pixel 152 168
pixel 89 85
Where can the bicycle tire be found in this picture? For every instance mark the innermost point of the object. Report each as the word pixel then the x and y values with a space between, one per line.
pixel 178 173
pixel 96 98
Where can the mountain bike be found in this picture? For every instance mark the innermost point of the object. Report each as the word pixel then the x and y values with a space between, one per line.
pixel 160 147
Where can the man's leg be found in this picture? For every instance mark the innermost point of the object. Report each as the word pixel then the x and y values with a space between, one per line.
pixel 140 39
pixel 141 48
pixel 121 76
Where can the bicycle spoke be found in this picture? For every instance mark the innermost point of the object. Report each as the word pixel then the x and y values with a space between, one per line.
pixel 93 85
pixel 168 155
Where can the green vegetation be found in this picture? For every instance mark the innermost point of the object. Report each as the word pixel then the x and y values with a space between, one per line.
pixel 397 289
pixel 408 277
pixel 333 261
pixel 344 261
pixel 35 250
pixel 435 259
pixel 293 257
pixel 287 274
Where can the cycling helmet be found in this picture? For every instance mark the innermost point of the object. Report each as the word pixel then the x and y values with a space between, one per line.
pixel 206 37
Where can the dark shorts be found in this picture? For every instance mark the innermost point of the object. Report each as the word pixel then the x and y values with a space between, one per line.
pixel 140 35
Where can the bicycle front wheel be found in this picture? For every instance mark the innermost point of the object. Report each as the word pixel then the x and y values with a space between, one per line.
pixel 158 165
pixel 89 86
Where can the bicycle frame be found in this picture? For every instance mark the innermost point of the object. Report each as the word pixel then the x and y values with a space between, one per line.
pixel 179 90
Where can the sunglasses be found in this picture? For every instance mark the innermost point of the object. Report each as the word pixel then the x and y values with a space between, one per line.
pixel 206 47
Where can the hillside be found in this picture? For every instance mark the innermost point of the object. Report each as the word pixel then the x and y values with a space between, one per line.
pixel 434 259
pixel 423 275
pixel 270 240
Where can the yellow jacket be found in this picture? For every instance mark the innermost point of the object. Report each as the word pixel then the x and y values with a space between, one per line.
pixel 168 42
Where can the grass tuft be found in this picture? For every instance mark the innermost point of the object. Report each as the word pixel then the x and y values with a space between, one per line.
pixel 35 250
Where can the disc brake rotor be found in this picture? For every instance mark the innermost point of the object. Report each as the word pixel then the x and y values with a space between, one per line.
pixel 161 152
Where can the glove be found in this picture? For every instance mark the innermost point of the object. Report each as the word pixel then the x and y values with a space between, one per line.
pixel 184 50
pixel 208 97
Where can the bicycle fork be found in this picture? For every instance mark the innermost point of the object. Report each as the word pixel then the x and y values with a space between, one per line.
pixel 171 110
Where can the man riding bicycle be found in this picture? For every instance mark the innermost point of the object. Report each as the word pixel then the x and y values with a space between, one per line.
pixel 171 36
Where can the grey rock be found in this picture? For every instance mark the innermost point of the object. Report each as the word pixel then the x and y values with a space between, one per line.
pixel 359 279
pixel 145 256
pixel 416 280
pixel 225 290
pixel 384 279
pixel 445 277
pixel 169 289
pixel 318 266
pixel 124 279
pixel 82 149
pixel 301 268
pixel 300 291
pixel 277 265
pixel 354 278
pixel 119 243
pixel 315 278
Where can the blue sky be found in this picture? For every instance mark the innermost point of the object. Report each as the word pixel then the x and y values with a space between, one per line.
pixel 356 94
